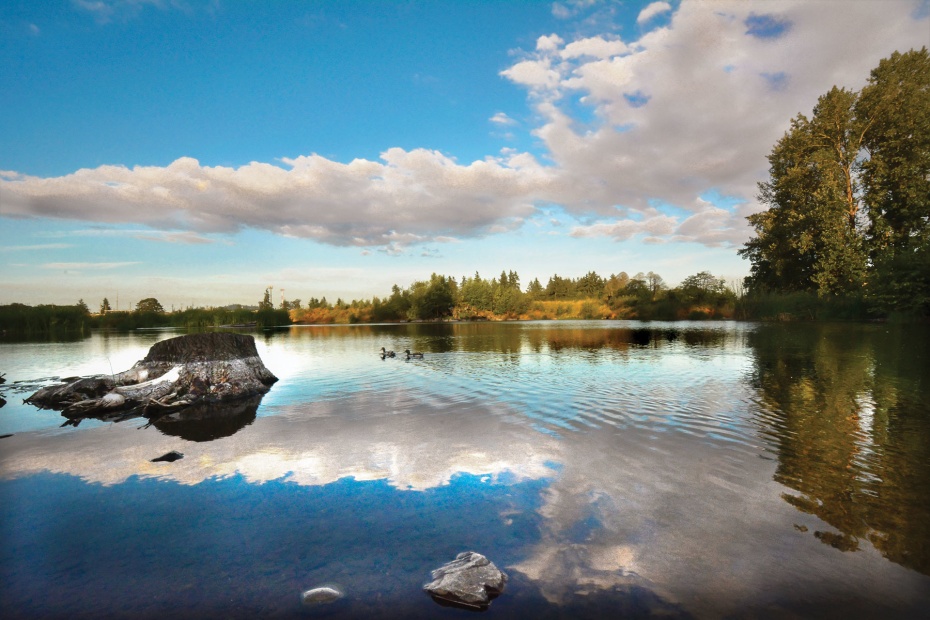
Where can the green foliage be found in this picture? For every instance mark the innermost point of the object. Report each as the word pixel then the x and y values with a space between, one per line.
pixel 432 300
pixel 849 196
pixel 149 304
pixel 896 173
pixel 394 308
pixel 590 285
pixel 23 319
pixel 266 303
pixel 901 283
pixel 559 288
pixel 800 306
pixel 534 289
pixel 809 238
pixel 704 289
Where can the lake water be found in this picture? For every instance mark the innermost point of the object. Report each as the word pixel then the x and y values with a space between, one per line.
pixel 612 469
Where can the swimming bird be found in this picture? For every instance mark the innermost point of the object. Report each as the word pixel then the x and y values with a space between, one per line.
pixel 415 354
pixel 385 354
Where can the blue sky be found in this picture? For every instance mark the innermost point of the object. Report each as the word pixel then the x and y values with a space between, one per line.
pixel 199 151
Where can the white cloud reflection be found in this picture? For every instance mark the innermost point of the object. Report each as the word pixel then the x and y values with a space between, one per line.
pixel 696 520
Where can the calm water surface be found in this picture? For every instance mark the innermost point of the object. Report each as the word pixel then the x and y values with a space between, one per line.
pixel 610 468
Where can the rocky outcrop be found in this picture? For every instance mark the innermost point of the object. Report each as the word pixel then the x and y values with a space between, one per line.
pixel 177 373
pixel 470 580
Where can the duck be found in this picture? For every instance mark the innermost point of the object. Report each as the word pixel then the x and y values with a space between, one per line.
pixel 415 354
pixel 385 354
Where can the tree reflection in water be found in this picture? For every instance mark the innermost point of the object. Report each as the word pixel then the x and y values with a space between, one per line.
pixel 847 410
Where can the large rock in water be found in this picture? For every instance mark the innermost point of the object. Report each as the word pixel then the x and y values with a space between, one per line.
pixel 470 579
pixel 177 373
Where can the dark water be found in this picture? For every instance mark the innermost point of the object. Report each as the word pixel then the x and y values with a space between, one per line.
pixel 612 469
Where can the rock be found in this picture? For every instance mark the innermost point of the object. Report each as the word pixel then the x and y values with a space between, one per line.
pixel 321 595
pixel 470 580
pixel 170 457
pixel 177 373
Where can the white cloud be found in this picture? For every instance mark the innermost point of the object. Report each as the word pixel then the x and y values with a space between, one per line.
pixel 31 248
pixel 407 197
pixel 105 11
pixel 621 230
pixel 688 108
pixel 71 266
pixel 656 8
pixel 560 11
pixel 695 106
pixel 537 74
pixel 597 47
pixel 501 118
pixel 175 237
pixel 549 43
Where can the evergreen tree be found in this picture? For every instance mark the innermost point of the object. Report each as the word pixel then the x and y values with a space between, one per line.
pixel 534 289
pixel 266 303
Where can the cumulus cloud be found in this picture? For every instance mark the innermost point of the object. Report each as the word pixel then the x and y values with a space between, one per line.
pixel 695 105
pixel 407 197
pixel 596 47
pixel 688 108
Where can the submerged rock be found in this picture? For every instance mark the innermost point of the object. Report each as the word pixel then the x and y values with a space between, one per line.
pixel 170 457
pixel 470 580
pixel 176 374
pixel 321 595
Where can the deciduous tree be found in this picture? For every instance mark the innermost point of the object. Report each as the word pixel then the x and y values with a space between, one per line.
pixel 149 304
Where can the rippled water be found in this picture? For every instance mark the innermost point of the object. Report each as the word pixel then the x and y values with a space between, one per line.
pixel 683 469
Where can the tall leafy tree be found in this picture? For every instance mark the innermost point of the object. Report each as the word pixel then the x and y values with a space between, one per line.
pixel 896 173
pixel 433 299
pixel 810 237
pixel 896 177
pixel 149 304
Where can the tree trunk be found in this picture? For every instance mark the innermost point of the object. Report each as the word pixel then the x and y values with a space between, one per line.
pixel 196 369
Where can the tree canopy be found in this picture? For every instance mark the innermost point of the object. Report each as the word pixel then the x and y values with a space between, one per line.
pixel 848 194
pixel 149 304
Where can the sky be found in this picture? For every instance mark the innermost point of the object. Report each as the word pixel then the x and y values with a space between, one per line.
pixel 200 151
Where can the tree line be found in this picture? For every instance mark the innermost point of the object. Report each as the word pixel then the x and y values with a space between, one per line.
pixel 591 296
pixel 21 319
pixel 848 197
